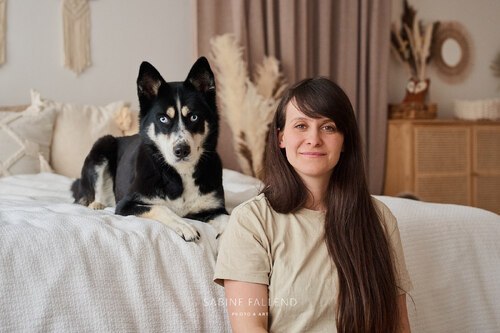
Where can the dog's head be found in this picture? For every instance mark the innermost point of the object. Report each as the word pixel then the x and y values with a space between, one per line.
pixel 180 118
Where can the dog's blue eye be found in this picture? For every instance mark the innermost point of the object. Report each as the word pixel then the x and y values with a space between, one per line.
pixel 193 118
pixel 164 119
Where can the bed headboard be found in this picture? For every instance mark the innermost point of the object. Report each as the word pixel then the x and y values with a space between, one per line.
pixel 225 147
pixel 13 108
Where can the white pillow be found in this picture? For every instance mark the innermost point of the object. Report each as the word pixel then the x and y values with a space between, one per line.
pixel 25 139
pixel 77 128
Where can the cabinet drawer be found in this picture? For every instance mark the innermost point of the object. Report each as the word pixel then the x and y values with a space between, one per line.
pixel 442 150
pixel 487 193
pixel 444 189
pixel 448 161
pixel 487 149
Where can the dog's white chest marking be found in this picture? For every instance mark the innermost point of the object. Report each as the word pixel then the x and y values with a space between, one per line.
pixel 191 201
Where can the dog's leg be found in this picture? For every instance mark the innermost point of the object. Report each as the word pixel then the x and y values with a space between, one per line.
pixel 219 223
pixel 166 216
pixel 132 204
pixel 217 218
pixel 103 187
pixel 95 187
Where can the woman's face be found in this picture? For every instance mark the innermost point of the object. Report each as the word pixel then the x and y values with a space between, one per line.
pixel 312 145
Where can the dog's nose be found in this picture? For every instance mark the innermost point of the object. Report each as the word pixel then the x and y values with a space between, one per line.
pixel 182 150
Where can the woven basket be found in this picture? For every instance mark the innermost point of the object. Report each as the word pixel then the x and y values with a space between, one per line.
pixel 488 109
pixel 412 111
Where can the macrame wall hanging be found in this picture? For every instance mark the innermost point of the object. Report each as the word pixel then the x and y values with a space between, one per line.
pixel 3 27
pixel 76 26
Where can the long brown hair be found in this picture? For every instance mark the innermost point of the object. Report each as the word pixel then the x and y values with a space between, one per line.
pixel 354 236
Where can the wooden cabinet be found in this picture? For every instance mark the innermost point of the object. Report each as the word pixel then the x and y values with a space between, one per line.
pixel 449 161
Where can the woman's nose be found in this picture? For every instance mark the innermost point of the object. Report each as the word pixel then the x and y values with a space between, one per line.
pixel 313 137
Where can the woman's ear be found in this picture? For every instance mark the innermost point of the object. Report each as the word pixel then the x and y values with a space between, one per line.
pixel 280 138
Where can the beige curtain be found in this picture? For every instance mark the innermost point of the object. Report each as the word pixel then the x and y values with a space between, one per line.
pixel 345 40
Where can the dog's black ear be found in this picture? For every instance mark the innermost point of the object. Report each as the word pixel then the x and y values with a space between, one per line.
pixel 149 82
pixel 201 76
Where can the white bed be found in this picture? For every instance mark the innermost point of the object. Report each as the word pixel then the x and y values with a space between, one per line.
pixel 67 268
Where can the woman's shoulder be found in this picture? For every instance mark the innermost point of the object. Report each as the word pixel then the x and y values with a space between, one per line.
pixel 386 217
pixel 255 213
pixel 258 208
pixel 380 206
pixel 258 202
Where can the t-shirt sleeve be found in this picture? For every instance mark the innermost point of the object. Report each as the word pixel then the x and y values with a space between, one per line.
pixel 244 249
pixel 391 228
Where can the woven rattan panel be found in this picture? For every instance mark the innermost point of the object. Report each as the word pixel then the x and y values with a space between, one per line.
pixel 442 149
pixel 446 189
pixel 487 152
pixel 488 193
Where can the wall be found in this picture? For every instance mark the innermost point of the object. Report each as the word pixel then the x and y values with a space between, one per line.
pixel 482 21
pixel 124 33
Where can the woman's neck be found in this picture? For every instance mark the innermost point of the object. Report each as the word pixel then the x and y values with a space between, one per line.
pixel 317 193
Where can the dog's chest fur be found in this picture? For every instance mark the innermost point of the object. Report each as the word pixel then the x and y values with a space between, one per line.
pixel 191 201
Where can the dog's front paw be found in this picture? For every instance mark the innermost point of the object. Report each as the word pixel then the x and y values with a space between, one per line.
pixel 219 223
pixel 188 232
pixel 96 206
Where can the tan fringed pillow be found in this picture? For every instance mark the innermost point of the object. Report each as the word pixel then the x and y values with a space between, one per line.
pixel 134 125
pixel 25 140
pixel 77 128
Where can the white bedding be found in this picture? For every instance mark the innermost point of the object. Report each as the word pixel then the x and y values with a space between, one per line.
pixel 66 268
pixel 453 256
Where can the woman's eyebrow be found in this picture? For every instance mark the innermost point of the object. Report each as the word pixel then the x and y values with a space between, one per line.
pixel 299 118
pixel 322 120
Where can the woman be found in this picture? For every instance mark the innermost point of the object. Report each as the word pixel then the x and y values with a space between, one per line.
pixel 314 251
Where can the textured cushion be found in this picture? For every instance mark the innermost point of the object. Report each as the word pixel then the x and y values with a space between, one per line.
pixel 25 139
pixel 77 128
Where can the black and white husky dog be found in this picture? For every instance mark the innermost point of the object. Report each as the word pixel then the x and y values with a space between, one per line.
pixel 170 169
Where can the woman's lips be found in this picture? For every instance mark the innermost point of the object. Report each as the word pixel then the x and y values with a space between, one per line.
pixel 312 154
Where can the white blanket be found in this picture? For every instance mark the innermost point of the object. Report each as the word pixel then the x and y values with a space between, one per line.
pixel 66 268
pixel 453 256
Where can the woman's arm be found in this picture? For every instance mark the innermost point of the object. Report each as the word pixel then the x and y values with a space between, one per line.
pixel 404 323
pixel 247 306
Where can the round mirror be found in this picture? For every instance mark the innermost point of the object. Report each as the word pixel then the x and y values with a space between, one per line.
pixel 451 51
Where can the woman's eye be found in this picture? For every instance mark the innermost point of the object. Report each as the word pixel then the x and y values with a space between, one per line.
pixel 193 118
pixel 164 119
pixel 300 126
pixel 330 128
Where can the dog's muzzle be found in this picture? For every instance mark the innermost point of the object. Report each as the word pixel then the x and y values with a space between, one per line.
pixel 182 150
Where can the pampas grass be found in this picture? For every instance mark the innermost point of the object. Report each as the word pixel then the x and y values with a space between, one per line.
pixel 247 107
pixel 411 42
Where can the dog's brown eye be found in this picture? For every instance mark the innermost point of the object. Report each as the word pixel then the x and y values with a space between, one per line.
pixel 193 118
pixel 164 119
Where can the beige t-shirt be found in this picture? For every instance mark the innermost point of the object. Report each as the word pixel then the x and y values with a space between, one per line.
pixel 288 253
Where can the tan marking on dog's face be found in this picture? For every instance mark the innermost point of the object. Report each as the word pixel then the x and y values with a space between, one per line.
pixel 185 111
pixel 171 112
